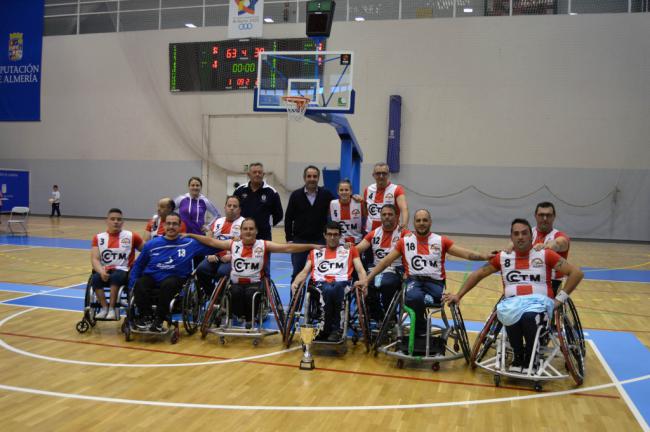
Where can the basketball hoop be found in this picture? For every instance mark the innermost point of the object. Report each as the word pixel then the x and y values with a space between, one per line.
pixel 296 106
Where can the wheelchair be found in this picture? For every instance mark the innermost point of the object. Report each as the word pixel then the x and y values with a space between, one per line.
pixel 396 336
pixel 92 306
pixel 218 319
pixel 558 340
pixel 305 308
pixel 194 304
pixel 176 305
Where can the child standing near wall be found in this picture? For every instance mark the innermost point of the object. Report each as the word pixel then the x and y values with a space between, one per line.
pixel 55 201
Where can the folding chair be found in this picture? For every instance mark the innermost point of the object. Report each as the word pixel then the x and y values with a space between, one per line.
pixel 18 216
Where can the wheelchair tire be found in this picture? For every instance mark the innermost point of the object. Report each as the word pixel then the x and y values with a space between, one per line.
pixel 83 326
pixel 191 306
pixel 212 310
pixel 569 340
pixel 276 304
pixel 127 334
pixel 387 323
pixel 293 317
pixel 362 316
pixel 459 327
pixel 485 339
pixel 576 324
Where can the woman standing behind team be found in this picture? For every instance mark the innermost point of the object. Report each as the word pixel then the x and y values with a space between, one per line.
pixel 193 207
pixel 347 212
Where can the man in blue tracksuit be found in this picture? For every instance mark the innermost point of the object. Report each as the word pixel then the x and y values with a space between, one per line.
pixel 161 270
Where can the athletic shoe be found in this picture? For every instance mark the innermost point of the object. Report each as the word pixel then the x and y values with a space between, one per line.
pixel 111 314
pixel 156 326
pixel 102 313
pixel 517 365
pixel 143 323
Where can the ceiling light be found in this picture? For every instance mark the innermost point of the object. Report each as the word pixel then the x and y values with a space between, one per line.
pixel 468 10
pixel 190 25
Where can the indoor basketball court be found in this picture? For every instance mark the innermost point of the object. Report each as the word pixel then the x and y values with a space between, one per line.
pixel 478 119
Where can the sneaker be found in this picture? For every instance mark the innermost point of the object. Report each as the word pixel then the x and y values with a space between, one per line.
pixel 111 314
pixel 156 326
pixel 249 325
pixel 102 313
pixel 517 365
pixel 143 323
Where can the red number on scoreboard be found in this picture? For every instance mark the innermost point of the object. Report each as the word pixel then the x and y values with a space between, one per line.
pixel 215 50
pixel 229 82
pixel 244 53
pixel 215 64
pixel 240 82
pixel 231 53
pixel 258 50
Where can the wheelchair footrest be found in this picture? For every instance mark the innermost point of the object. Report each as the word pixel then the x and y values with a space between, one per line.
pixel 437 346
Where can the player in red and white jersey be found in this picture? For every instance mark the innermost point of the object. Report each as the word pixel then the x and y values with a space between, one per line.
pixel 526 274
pixel 423 256
pixel 213 267
pixel 348 213
pixel 547 237
pixel 383 192
pixel 111 257
pixel 382 241
pixel 248 261
pixel 332 274
pixel 156 225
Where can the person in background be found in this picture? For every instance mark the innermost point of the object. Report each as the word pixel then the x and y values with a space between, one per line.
pixel 193 207
pixel 55 200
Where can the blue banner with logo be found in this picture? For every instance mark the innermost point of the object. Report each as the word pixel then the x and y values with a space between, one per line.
pixel 21 43
pixel 14 185
pixel 394 132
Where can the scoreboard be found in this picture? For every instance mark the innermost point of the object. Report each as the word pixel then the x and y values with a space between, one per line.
pixel 224 65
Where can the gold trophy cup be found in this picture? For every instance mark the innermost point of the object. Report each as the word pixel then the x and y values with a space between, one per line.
pixel 307 334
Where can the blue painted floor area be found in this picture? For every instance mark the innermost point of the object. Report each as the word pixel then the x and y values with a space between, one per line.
pixel 44 242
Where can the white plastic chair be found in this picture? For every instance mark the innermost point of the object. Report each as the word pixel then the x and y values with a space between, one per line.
pixel 18 216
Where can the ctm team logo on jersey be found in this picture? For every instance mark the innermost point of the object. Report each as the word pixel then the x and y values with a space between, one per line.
pixel 15 46
pixel 245 6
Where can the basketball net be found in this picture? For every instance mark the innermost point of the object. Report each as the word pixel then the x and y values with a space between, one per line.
pixel 296 107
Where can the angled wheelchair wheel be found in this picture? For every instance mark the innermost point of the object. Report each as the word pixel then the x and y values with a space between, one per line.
pixel 573 319
pixel 191 307
pixel 461 332
pixel 569 340
pixel 214 306
pixel 293 316
pixel 90 303
pixel 486 339
pixel 388 322
pixel 276 304
pixel 362 317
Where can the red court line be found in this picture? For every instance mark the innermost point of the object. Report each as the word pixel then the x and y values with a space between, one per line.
pixel 293 366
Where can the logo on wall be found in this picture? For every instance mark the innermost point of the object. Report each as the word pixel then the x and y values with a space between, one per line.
pixel 15 46
pixel 245 6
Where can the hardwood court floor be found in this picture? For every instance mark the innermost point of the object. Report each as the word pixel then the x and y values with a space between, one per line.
pixel 118 381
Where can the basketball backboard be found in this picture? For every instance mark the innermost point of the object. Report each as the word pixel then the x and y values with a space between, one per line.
pixel 325 77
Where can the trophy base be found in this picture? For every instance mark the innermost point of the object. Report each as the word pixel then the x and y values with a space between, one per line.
pixel 307 364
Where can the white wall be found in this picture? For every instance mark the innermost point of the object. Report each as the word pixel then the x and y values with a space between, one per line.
pixel 506 104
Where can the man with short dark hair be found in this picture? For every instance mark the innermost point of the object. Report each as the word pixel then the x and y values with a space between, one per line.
pixel 331 268
pixel 306 215
pixel 547 237
pixel 259 201
pixel 527 289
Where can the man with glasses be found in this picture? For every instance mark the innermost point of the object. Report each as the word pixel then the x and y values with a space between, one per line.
pixel 161 270
pixel 547 237
pixel 380 193
pixel 332 275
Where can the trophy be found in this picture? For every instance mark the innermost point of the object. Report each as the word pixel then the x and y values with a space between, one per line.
pixel 307 334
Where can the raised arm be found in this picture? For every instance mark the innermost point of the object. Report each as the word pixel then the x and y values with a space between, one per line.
pixel 468 254
pixel 559 244
pixel 363 246
pixel 212 242
pixel 381 265
pixel 291 247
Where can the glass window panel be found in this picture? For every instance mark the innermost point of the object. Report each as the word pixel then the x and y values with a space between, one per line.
pixel 534 7
pixel 216 16
pixel 284 12
pixel 598 6
pixel 428 8
pixel 176 18
pixel 99 7
pixel 144 20
pixel 60 26
pixel 126 5
pixel 374 9
pixel 468 8
pixel 98 23
pixel 61 10
pixel 181 3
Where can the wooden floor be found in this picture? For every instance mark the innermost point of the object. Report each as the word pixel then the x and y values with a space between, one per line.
pixel 52 378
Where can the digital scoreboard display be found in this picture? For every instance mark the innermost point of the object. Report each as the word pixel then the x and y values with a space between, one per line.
pixel 224 65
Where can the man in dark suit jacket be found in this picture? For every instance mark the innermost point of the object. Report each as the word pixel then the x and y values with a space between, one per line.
pixel 306 215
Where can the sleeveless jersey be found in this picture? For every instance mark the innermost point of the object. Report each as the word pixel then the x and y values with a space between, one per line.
pixel 526 274
pixel 383 242
pixel 247 262
pixel 349 218
pixel 332 265
pixel 117 251
pixel 222 229
pixel 375 200
pixel 424 256
pixel 538 237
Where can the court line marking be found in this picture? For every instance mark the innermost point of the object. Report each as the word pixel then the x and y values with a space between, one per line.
pixel 316 408
pixel 619 386
pixel 8 347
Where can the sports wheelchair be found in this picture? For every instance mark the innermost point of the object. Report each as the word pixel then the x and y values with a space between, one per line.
pixel 396 337
pixel 305 308
pixel 218 317
pixel 190 302
pixel 92 306
pixel 560 337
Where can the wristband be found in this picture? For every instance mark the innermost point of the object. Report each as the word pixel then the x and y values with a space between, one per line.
pixel 562 297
